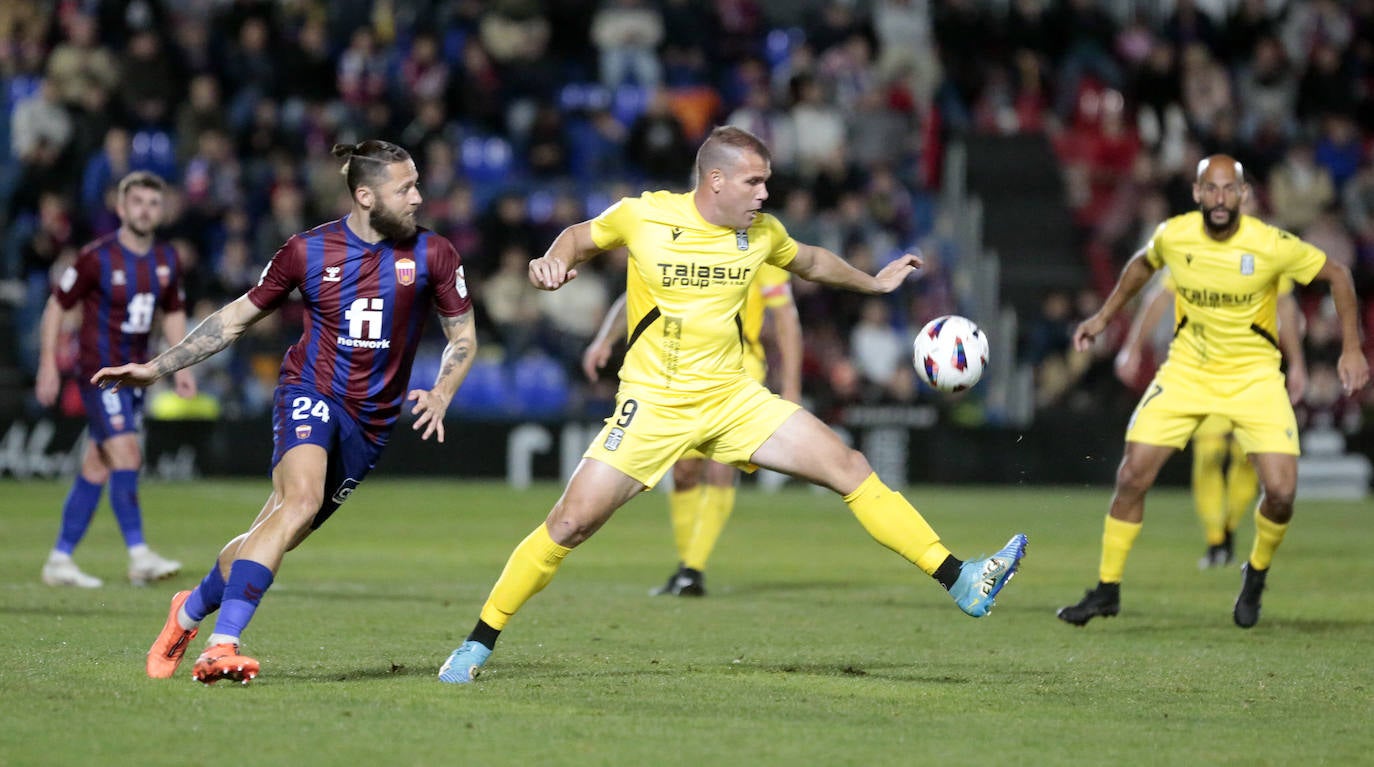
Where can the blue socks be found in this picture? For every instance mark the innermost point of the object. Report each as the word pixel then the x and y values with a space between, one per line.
pixel 248 581
pixel 206 597
pixel 77 513
pixel 124 499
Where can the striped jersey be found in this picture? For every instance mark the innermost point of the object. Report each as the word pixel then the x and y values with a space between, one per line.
pixel 366 306
pixel 119 292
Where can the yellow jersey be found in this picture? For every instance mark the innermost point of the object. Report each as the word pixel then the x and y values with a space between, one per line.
pixel 686 286
pixel 1226 293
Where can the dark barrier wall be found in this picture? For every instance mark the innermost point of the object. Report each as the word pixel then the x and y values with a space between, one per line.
pixel 903 446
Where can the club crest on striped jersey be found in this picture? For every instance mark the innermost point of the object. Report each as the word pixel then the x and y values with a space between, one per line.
pixel 164 273
pixel 405 271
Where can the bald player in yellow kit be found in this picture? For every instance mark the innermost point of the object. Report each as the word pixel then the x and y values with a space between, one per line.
pixel 703 494
pixel 1224 361
pixel 683 384
pixel 1225 485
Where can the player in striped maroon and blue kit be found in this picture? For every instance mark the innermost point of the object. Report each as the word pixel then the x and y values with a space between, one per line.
pixel 368 281
pixel 117 285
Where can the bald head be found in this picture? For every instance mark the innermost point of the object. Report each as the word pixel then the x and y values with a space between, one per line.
pixel 1219 191
pixel 1224 164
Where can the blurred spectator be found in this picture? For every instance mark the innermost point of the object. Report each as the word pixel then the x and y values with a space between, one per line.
pixel 657 144
pixel 1299 189
pixel 569 317
pixel 881 354
pixel 819 126
pixel 39 133
pixel 203 110
pixel 80 64
pixel 511 305
pixel 626 34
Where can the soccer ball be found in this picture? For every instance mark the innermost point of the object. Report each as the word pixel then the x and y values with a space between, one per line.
pixel 950 353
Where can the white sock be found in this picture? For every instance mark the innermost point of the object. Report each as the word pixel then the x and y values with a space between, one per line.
pixel 139 550
pixel 56 556
pixel 184 619
pixel 222 639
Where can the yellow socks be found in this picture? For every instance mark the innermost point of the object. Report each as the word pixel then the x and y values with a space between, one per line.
pixel 1209 486
pixel 1268 535
pixel 1242 487
pixel 1117 539
pixel 530 568
pixel 713 512
pixel 896 524
pixel 683 506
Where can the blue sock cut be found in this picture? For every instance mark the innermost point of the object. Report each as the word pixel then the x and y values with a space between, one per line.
pixel 206 597
pixel 248 581
pixel 124 499
pixel 77 513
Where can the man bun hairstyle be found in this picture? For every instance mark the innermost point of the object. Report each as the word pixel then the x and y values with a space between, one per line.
pixel 365 162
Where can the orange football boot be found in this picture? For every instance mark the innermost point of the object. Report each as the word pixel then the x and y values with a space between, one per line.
pixel 222 661
pixel 169 647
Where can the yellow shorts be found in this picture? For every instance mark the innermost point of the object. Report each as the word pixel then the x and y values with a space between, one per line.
pixel 757 370
pixel 650 428
pixel 1177 402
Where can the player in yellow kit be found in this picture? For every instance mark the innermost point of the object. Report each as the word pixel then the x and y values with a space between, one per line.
pixel 683 384
pixel 1224 482
pixel 703 494
pixel 1224 360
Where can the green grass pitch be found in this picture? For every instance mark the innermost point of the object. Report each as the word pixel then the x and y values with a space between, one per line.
pixel 816 646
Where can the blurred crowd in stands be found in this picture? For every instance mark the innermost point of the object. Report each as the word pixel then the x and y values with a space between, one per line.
pixel 527 115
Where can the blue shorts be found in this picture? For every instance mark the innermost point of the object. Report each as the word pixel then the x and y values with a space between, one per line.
pixel 303 416
pixel 112 412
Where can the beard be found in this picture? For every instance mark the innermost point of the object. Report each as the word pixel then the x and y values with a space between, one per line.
pixel 393 226
pixel 1233 214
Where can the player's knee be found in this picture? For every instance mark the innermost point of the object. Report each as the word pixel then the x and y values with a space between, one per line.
pixel 685 475
pixel 1278 501
pixel 852 468
pixel 1132 479
pixel 299 505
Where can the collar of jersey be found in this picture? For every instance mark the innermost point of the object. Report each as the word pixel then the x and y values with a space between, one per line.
pixel 370 247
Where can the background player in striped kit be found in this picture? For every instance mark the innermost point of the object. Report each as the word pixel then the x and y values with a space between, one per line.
pixel 367 281
pixel 116 286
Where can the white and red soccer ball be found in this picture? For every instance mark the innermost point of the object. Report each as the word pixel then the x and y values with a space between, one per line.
pixel 950 353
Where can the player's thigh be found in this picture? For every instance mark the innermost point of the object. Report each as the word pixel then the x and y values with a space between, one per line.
pixel 806 448
pixel 719 474
pixel 112 412
pixel 690 470
pixel 1167 415
pixel 593 494
pixel 1264 419
pixel 646 434
pixel 298 477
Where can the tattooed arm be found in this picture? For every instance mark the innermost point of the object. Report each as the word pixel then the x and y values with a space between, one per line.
pixel 431 404
pixel 210 336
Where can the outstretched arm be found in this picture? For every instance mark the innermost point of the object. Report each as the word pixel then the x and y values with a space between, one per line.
pixel 174 329
pixel 559 264
pixel 212 335
pixel 431 404
pixel 599 350
pixel 1352 367
pixel 1137 272
pixel 820 265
